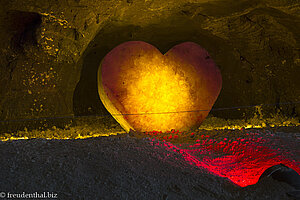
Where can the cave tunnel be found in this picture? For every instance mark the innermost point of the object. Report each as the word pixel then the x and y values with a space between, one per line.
pixel 50 58
pixel 258 70
pixel 237 72
pixel 163 36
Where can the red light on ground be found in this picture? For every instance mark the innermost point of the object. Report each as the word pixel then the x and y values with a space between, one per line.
pixel 242 161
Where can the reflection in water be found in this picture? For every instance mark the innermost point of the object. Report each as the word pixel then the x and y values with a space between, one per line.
pixel 242 160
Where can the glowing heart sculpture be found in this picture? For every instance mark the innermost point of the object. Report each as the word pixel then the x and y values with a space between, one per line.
pixel 145 90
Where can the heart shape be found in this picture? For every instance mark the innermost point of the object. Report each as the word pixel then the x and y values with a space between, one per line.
pixel 145 90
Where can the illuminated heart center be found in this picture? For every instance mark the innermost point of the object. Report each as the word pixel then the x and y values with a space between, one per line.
pixel 145 90
pixel 158 90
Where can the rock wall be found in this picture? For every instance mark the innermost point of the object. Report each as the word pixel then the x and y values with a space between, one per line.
pixel 50 51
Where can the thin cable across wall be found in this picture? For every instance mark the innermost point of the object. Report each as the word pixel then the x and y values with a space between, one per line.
pixel 157 113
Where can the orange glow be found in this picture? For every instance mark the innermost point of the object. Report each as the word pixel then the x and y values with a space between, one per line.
pixel 136 78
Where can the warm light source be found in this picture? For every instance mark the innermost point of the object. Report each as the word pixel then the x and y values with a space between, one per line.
pixel 136 79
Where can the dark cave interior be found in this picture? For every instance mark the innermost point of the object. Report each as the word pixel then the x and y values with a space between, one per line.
pixel 50 58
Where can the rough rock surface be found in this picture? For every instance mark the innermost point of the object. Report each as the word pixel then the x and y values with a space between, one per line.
pixel 116 168
pixel 50 50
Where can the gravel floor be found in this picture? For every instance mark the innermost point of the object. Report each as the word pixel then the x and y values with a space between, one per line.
pixel 119 167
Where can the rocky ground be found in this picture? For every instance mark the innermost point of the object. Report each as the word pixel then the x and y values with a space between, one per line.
pixel 138 167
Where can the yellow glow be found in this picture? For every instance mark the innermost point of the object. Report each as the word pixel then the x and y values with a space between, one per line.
pixel 213 123
pixel 109 105
pixel 92 131
pixel 51 137
pixel 95 135
pixel 13 138
pixel 145 90
pixel 155 87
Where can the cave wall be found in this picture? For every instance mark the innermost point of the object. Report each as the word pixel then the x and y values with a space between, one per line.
pixel 50 51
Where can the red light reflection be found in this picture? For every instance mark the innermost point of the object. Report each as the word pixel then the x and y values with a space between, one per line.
pixel 240 160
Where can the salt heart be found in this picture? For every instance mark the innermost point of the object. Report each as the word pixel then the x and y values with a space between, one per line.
pixel 145 90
